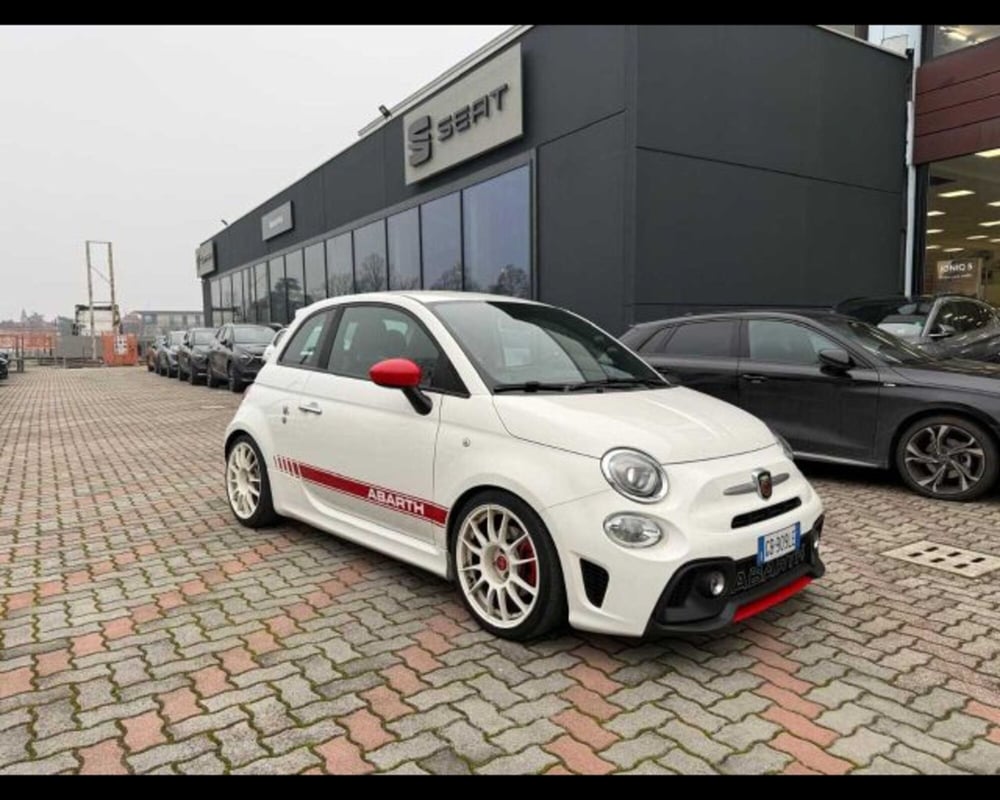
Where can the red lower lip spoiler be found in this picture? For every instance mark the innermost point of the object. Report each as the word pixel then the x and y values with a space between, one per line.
pixel 768 600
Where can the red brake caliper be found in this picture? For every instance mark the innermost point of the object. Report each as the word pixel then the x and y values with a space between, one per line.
pixel 527 572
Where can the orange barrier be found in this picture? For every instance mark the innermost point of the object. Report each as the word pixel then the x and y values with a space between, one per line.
pixel 120 350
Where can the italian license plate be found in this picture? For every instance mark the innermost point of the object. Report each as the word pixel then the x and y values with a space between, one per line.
pixel 774 545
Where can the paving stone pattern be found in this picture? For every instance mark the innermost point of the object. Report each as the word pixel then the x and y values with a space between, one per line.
pixel 143 630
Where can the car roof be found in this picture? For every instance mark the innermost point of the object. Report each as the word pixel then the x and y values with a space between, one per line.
pixel 425 297
pixel 813 314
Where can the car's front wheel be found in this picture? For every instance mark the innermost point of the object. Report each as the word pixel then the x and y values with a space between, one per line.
pixel 210 381
pixel 192 376
pixel 235 384
pixel 948 458
pixel 247 484
pixel 507 567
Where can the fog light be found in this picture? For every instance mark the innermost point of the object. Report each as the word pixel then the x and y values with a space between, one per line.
pixel 713 583
pixel 632 530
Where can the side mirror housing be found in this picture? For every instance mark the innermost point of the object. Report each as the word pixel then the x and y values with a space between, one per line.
pixel 836 359
pixel 941 331
pixel 401 373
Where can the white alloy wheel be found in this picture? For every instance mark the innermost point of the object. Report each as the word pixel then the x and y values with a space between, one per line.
pixel 497 563
pixel 243 480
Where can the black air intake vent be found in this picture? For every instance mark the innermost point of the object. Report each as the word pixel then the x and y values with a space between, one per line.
pixel 595 582
pixel 767 512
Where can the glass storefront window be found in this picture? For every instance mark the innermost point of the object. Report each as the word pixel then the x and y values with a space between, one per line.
pixel 315 273
pixel 949 38
pixel 216 293
pixel 404 250
pixel 369 262
pixel 226 298
pixel 238 297
pixel 279 298
pixel 294 282
pixel 496 226
pixel 249 310
pixel 441 242
pixel 340 265
pixel 261 293
pixel 962 230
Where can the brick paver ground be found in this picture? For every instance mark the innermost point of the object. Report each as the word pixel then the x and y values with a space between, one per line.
pixel 142 630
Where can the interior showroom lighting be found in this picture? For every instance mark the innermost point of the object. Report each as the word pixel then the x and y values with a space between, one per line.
pixel 952 249
pixel 957 193
pixel 938 213
pixel 989 153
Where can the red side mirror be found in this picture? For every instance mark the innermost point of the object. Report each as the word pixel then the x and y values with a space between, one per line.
pixel 396 373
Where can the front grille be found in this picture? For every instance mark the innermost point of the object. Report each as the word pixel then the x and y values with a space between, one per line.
pixel 767 512
pixel 595 582
pixel 748 573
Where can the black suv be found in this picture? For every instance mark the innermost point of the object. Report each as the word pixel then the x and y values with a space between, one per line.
pixel 943 326
pixel 192 355
pixel 237 354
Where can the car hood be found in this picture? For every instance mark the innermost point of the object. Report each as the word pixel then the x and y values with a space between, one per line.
pixel 955 373
pixel 673 425
pixel 252 349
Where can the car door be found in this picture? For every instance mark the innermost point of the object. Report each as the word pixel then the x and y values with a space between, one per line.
pixel 819 410
pixel 701 355
pixel 279 391
pixel 364 455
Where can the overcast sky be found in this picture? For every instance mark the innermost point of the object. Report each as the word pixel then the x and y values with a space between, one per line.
pixel 148 136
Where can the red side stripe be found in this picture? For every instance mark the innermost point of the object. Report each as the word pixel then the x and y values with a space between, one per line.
pixel 768 600
pixel 376 495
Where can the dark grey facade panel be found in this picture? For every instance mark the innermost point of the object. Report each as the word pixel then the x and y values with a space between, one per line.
pixel 581 186
pixel 794 98
pixel 574 76
pixel 712 234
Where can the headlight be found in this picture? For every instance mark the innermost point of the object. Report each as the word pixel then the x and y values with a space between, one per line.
pixel 635 475
pixel 632 530
pixel 244 357
pixel 784 444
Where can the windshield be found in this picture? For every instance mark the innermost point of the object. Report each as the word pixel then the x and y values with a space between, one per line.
pixel 175 338
pixel 252 334
pixel 899 317
pixel 879 343
pixel 526 347
pixel 203 337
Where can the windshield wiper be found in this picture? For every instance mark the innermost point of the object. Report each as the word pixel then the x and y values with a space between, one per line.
pixel 532 386
pixel 617 383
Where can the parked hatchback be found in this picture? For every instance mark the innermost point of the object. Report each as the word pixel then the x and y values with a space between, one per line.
pixel 943 326
pixel 530 457
pixel 237 354
pixel 843 391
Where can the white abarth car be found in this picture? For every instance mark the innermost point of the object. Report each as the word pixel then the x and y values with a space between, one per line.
pixel 530 457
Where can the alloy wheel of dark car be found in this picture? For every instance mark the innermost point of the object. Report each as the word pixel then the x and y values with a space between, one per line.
pixel 192 376
pixel 948 458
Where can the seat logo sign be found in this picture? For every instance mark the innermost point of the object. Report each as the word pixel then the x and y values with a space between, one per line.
pixel 477 113
pixel 421 130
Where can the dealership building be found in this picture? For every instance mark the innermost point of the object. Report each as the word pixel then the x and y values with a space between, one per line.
pixel 633 172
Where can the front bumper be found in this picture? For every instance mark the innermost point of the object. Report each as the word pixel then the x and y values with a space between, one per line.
pixel 247 371
pixel 198 366
pixel 684 608
pixel 619 591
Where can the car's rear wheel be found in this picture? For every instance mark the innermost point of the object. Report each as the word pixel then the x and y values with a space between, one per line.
pixel 247 486
pixel 948 458
pixel 507 567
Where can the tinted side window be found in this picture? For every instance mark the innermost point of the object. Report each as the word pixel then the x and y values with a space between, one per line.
pixel 369 334
pixel 655 343
pixel 785 342
pixel 303 349
pixel 704 340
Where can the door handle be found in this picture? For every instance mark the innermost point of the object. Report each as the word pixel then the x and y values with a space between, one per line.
pixel 754 378
pixel 310 408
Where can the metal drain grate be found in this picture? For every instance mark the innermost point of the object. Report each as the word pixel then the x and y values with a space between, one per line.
pixel 945 557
